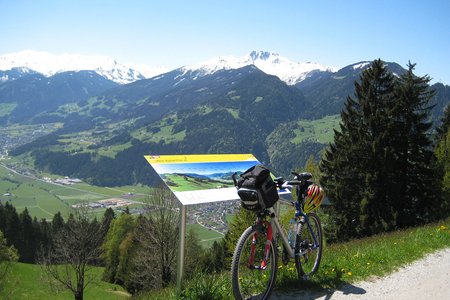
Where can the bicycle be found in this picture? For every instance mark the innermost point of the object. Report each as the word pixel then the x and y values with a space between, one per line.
pixel 255 259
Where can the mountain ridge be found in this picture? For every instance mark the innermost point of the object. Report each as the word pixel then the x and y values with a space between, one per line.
pixel 104 135
pixel 49 64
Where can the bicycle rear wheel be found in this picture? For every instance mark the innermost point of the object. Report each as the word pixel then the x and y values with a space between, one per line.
pixel 252 274
pixel 308 262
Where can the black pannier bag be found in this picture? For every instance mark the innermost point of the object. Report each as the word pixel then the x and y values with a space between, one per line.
pixel 256 188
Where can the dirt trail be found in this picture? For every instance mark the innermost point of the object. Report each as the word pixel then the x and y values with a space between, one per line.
pixel 427 278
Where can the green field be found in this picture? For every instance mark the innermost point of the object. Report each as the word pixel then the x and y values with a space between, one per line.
pixel 44 199
pixel 181 183
pixel 27 282
pixel 16 130
pixel 320 130
pixel 207 237
pixel 6 108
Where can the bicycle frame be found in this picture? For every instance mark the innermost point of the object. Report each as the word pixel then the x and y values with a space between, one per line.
pixel 273 227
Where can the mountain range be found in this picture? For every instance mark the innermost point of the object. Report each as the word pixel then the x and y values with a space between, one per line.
pixel 253 104
pixel 49 64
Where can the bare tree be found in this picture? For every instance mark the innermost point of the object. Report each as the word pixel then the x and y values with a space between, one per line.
pixel 74 248
pixel 157 237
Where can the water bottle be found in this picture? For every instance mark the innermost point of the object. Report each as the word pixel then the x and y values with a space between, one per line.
pixel 292 232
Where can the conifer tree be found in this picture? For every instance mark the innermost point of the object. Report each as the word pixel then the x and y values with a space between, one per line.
pixel 28 241
pixel 353 166
pixel 57 222
pixel 379 172
pixel 415 194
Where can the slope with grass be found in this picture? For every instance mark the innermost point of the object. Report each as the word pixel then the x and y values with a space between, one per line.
pixel 27 282
pixel 342 264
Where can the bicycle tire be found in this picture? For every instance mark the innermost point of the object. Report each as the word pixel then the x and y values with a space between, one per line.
pixel 251 282
pixel 308 263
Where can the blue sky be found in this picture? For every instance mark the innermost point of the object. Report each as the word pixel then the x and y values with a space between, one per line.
pixel 173 33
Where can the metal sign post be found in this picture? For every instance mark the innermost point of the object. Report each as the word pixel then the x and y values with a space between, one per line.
pixel 197 179
pixel 180 263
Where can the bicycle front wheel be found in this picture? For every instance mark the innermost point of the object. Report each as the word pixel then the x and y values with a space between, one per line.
pixel 308 247
pixel 254 266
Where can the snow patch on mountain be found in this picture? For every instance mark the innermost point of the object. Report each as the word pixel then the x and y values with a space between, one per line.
pixel 361 65
pixel 49 64
pixel 270 63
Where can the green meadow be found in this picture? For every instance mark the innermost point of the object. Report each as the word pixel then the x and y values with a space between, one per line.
pixel 27 282
pixel 44 199
pixel 320 130
pixel 181 183
pixel 207 237
pixel 342 263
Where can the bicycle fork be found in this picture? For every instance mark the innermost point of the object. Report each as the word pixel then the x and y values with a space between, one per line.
pixel 251 262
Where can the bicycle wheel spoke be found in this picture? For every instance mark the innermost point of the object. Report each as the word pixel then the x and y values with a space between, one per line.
pixel 255 274
pixel 310 246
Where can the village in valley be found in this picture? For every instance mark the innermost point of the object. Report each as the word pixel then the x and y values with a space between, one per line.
pixel 213 215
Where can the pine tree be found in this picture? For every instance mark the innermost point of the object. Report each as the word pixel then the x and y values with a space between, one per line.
pixel 108 217
pixel 379 172
pixel 28 241
pixel 354 166
pixel 57 222
pixel 12 225
pixel 415 199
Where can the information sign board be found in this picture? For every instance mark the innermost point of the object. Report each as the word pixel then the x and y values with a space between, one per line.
pixel 205 178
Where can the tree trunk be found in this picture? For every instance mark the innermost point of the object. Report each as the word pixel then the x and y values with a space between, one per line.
pixel 78 295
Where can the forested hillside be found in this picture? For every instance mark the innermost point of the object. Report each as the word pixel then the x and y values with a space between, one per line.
pixel 104 138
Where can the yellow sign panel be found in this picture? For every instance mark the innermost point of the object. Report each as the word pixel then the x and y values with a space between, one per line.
pixel 194 158
pixel 201 178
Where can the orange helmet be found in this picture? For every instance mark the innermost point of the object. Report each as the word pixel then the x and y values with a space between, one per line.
pixel 314 197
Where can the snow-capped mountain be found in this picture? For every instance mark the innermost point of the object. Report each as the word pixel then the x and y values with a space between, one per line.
pixel 49 64
pixel 270 63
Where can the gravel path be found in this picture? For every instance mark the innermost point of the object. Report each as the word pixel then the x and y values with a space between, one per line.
pixel 427 278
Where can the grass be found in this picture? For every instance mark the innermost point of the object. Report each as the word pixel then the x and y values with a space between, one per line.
pixel 6 108
pixel 374 256
pixel 16 130
pixel 44 199
pixel 234 112
pixel 320 130
pixel 164 130
pixel 341 264
pixel 207 237
pixel 181 183
pixel 27 282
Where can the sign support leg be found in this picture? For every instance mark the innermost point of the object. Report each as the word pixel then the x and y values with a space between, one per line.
pixel 181 246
